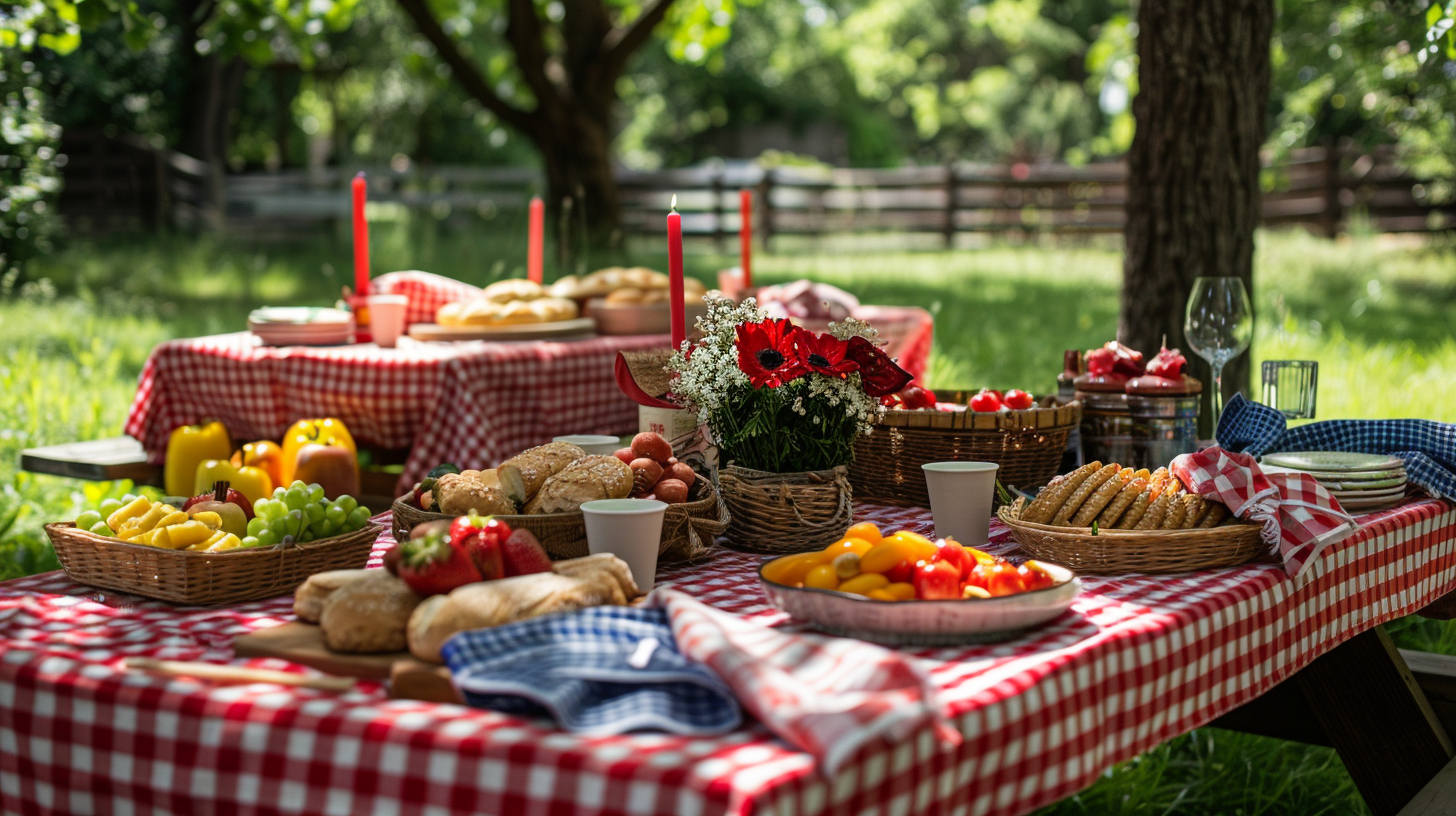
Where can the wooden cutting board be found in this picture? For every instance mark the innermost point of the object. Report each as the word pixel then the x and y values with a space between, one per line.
pixel 303 643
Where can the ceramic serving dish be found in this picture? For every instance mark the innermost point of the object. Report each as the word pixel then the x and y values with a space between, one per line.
pixel 926 623
pixel 639 318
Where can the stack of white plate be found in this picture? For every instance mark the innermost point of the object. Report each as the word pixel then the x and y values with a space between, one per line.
pixel 1362 482
pixel 302 326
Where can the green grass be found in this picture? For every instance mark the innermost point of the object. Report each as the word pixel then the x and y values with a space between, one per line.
pixel 1375 313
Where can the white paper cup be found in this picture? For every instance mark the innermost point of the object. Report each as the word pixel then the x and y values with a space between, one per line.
pixel 961 494
pixel 596 444
pixel 386 318
pixel 630 529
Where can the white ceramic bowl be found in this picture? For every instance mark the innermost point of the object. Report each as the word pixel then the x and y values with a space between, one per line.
pixel 926 623
pixel 595 444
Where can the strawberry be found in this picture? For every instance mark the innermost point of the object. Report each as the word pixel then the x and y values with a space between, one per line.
pixel 523 554
pixel 431 565
pixel 481 537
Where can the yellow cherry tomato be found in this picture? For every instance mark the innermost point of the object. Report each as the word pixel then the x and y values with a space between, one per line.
pixel 864 531
pixel 858 546
pixel 901 592
pixel 790 570
pixel 980 556
pixel 880 595
pixel 822 577
pixel 923 545
pixel 864 583
pixel 884 556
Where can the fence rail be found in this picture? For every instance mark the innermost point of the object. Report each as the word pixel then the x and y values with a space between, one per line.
pixel 1321 188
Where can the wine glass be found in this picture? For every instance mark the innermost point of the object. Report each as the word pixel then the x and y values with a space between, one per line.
pixel 1219 326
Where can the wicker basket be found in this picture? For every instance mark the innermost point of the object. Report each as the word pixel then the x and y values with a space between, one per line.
pixel 688 529
pixel 1115 552
pixel 1027 444
pixel 202 578
pixel 776 513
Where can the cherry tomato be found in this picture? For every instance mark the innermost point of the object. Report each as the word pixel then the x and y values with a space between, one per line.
pixel 865 531
pixel 891 401
pixel 858 546
pixel 1003 580
pixel 952 553
pixel 901 572
pixel 1018 400
pixel 863 583
pixel 985 402
pixel 902 590
pixel 937 581
pixel 978 576
pixel 790 570
pixel 1034 576
pixel 822 577
pixel 917 397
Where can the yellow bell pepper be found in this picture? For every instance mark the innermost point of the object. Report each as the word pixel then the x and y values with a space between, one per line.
pixel 252 482
pixel 264 455
pixel 312 431
pixel 189 445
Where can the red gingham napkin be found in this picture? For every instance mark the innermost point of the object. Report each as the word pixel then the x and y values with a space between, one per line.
pixel 1300 517
pixel 426 291
pixel 824 695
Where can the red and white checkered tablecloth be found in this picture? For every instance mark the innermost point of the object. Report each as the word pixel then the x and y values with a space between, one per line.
pixel 1138 660
pixel 474 404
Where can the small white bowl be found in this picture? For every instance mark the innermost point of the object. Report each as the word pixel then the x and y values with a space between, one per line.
pixel 596 444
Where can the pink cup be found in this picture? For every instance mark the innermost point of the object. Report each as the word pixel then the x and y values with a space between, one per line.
pixel 386 318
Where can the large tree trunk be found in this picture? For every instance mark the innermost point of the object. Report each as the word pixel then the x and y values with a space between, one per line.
pixel 1193 170
pixel 582 200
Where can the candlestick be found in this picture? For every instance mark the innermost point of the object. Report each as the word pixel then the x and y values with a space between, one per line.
pixel 533 249
pixel 745 234
pixel 675 276
pixel 361 237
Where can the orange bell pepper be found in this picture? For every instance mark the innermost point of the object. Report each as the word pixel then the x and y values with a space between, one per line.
pixel 264 455
pixel 186 447
pixel 327 431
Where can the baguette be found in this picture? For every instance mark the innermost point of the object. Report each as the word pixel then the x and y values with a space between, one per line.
pixel 1177 509
pixel 1198 507
pixel 603 564
pixel 1135 511
pixel 1101 497
pixel 1082 494
pixel 1153 519
pixel 1054 495
pixel 1216 514
pixel 1124 499
pixel 523 475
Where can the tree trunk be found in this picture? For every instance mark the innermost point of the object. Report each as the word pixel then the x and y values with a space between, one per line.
pixel 1193 169
pixel 582 200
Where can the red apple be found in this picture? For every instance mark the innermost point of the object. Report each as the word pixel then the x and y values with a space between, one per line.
pixel 333 467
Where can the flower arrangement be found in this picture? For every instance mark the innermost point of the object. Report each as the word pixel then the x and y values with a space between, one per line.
pixel 779 398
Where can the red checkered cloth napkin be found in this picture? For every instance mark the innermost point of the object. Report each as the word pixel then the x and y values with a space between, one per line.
pixel 827 696
pixel 1300 517
pixel 426 291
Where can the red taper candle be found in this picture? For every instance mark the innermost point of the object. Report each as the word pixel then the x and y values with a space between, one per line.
pixel 361 237
pixel 533 249
pixel 745 235
pixel 675 276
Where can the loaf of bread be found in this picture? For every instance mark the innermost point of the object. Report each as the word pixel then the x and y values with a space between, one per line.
pixel 586 479
pixel 515 289
pixel 523 475
pixel 369 615
pixel 309 599
pixel 460 494
pixel 492 603
pixel 601 566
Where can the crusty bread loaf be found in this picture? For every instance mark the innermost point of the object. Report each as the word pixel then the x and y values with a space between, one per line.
pixel 522 475
pixel 601 566
pixel 460 494
pixel 515 289
pixel 586 479
pixel 309 599
pixel 369 615
pixel 492 603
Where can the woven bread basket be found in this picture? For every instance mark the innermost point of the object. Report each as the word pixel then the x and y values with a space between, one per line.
pixel 688 529
pixel 777 513
pixel 1116 552
pixel 203 578
pixel 1027 444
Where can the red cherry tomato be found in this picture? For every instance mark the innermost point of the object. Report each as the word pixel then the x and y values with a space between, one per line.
pixel 1003 580
pixel 891 401
pixel 1034 576
pixel 952 553
pixel 985 401
pixel 937 581
pixel 917 397
pixel 901 572
pixel 978 576
pixel 1018 400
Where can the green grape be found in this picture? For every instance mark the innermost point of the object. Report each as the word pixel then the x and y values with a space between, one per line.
pixel 87 520
pixel 306 537
pixel 315 492
pixel 256 525
pixel 266 538
pixel 296 497
pixel 315 513
pixel 348 503
pixel 100 528
pixel 278 528
pixel 335 515
pixel 275 510
pixel 297 522
pixel 326 528
pixel 110 506
pixel 297 483
pixel 358 517
pixel 251 541
pixel 128 498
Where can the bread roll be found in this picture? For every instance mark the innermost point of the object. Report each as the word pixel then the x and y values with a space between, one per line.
pixel 516 289
pixel 370 615
pixel 607 566
pixel 586 479
pixel 460 494
pixel 523 475
pixel 492 603
pixel 451 314
pixel 308 600
pixel 480 313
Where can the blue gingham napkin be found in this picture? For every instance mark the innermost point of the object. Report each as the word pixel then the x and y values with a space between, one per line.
pixel 1428 448
pixel 598 671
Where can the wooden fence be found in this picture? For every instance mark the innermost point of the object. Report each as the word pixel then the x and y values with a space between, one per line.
pixel 1318 188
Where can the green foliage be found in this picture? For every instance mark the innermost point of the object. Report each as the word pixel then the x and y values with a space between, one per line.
pixel 28 178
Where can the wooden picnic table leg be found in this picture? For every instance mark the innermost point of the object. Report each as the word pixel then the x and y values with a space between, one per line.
pixel 1377 718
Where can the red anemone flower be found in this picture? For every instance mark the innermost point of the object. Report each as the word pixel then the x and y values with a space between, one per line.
pixel 766 353
pixel 878 373
pixel 824 353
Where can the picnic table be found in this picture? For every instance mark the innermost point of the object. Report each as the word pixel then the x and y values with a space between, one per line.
pixel 1138 660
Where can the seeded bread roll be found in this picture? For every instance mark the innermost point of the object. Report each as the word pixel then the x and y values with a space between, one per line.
pixel 1083 493
pixel 1056 493
pixel 1101 497
pixel 523 475
pixel 460 494
pixel 1124 499
pixel 587 479
pixel 369 616
pixel 1135 511
pixel 308 601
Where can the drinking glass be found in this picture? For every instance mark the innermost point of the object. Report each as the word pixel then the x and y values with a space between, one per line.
pixel 1289 387
pixel 1219 326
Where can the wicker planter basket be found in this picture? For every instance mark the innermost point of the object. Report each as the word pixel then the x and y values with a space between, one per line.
pixel 1115 552
pixel 688 529
pixel 778 513
pixel 201 578
pixel 1027 444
